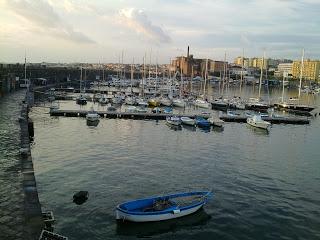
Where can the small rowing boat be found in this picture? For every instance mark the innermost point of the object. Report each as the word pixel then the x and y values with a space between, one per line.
pixel 162 207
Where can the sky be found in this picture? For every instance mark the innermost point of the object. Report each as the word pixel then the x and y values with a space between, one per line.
pixel 104 30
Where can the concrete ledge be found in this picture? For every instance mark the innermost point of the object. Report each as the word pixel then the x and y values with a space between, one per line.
pixel 33 215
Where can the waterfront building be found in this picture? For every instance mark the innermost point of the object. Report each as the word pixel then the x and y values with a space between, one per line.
pixel 284 69
pixel 311 70
pixel 241 60
pixel 185 64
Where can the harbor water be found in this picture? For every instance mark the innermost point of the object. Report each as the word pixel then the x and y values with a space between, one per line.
pixel 11 192
pixel 266 185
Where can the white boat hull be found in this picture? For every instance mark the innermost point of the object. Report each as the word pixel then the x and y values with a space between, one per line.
pixel 262 125
pixel 166 102
pixel 189 121
pixel 179 104
pixel 173 123
pixel 155 217
pixel 216 122
pixel 202 105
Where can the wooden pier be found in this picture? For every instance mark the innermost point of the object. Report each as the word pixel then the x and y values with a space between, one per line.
pixel 274 120
pixel 115 114
pixel 162 116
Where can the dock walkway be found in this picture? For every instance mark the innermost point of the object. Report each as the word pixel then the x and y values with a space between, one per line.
pixel 162 116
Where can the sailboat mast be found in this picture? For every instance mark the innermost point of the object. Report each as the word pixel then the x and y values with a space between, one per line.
pixel 261 73
pixel 205 79
pixel 118 70
pixel 144 73
pixel 122 67
pixel 150 64
pixel 132 73
pixel 25 65
pixel 191 90
pixel 80 78
pixel 301 73
pixel 156 75
pixel 181 83
pixel 224 71
pixel 282 87
pixel 241 74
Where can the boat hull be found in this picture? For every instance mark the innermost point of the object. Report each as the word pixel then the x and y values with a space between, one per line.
pixel 216 122
pixel 178 103
pixel 162 207
pixel 120 215
pixel 202 105
pixel 262 125
pixel 219 106
pixel 188 121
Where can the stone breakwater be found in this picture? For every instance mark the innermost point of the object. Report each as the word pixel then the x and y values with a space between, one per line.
pixel 32 208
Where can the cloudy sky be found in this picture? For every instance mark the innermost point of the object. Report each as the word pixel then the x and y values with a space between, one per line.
pixel 100 30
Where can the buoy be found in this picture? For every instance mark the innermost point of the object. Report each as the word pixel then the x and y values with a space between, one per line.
pixel 80 197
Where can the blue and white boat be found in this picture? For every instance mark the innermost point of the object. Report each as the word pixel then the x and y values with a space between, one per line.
pixel 173 120
pixel 167 110
pixel 202 122
pixel 162 207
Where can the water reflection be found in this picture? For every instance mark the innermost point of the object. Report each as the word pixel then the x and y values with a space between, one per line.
pixel 204 129
pixel 258 131
pixel 153 228
pixel 92 123
pixel 174 128
pixel 190 128
pixel 217 129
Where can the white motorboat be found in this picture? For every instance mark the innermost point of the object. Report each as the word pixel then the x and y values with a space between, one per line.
pixel 165 102
pixel 92 116
pixel 156 110
pixel 142 109
pixel 117 100
pixel 54 106
pixel 131 109
pixel 97 96
pixel 142 103
pixel 130 101
pixel 103 99
pixel 256 121
pixel 215 121
pixel 173 120
pixel 179 102
pixel 201 103
pixel 188 121
pixel 81 100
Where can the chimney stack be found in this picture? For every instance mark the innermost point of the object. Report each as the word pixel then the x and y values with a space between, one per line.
pixel 188 52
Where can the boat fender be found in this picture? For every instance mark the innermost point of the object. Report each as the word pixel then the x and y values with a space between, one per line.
pixel 176 211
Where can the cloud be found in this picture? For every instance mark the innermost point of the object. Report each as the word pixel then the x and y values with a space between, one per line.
pixel 44 19
pixel 138 21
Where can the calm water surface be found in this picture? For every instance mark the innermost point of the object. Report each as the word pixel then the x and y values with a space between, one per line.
pixel 11 193
pixel 266 185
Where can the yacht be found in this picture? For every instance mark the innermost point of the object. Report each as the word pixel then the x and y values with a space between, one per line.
pixel 179 102
pixel 165 101
pixel 201 103
pixel 81 100
pixel 256 121
pixel 173 120
pixel 92 116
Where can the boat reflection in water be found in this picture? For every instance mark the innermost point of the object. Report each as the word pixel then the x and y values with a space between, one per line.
pixel 92 123
pixel 258 131
pixel 217 129
pixel 153 228
pixel 190 128
pixel 174 128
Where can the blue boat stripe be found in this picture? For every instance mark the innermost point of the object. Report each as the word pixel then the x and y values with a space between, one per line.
pixel 161 212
